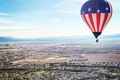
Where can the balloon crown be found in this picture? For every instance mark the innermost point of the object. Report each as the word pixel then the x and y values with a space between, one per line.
pixel 96 6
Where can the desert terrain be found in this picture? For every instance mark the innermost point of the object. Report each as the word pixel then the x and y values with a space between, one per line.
pixel 60 61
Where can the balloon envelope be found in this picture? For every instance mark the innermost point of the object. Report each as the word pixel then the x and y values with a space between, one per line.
pixel 96 13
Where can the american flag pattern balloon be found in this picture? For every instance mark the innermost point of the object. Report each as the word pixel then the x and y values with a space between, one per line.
pixel 96 13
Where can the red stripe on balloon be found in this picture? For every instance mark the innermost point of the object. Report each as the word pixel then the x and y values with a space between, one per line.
pixel 98 21
pixel 85 19
pixel 92 22
pixel 104 21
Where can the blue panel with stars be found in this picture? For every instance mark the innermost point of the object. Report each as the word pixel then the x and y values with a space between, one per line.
pixel 94 6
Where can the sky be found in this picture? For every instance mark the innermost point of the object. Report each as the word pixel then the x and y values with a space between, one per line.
pixel 49 18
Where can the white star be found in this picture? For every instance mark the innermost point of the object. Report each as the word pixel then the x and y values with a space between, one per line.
pixel 105 0
pixel 98 10
pixel 89 9
pixel 107 8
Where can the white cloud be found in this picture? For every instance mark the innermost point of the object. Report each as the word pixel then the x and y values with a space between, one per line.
pixel 4 14
pixel 69 7
pixel 5 20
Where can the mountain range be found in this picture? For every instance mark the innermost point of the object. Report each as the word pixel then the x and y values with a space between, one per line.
pixel 52 39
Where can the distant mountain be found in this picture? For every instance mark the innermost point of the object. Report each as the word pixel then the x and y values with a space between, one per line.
pixel 6 39
pixel 112 37
pixel 66 39
pixel 115 36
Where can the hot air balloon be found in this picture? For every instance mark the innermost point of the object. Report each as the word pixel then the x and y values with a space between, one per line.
pixel 96 13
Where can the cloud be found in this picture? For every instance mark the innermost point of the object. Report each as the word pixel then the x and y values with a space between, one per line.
pixel 6 22
pixel 69 7
pixel 4 14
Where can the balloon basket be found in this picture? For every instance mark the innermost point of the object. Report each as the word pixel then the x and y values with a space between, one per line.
pixel 97 40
